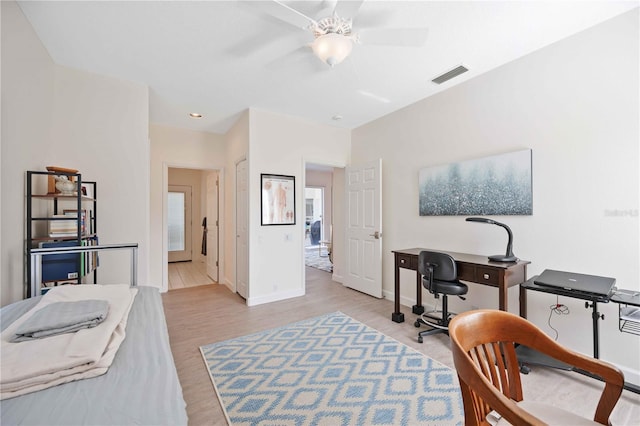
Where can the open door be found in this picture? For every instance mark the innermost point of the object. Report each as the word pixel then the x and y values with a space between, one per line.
pixel 363 189
pixel 212 225
pixel 242 233
pixel 179 223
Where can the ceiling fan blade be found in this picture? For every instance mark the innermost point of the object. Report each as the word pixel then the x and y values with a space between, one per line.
pixel 347 8
pixel 281 11
pixel 411 37
pixel 300 61
pixel 368 18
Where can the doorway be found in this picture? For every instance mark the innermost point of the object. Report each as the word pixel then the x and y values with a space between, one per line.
pixel 192 226
pixel 314 214
pixel 322 217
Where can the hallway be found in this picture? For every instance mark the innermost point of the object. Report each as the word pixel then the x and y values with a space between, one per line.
pixel 188 274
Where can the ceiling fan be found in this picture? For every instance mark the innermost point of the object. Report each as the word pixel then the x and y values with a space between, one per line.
pixel 334 37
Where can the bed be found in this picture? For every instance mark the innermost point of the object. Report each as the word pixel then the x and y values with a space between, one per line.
pixel 141 386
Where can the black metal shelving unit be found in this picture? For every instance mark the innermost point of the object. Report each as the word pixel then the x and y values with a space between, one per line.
pixel 34 234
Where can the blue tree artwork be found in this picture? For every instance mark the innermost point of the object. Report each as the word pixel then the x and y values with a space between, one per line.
pixel 497 185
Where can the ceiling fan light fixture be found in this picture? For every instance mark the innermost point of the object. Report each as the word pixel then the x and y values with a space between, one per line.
pixel 332 48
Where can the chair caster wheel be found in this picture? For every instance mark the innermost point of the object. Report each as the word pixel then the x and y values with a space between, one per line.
pixel 417 324
pixel 419 339
pixel 524 369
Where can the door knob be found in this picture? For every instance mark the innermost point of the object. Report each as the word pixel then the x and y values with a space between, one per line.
pixel 376 235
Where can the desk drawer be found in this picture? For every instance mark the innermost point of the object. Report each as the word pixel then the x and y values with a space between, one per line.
pixel 466 272
pixel 407 261
pixel 487 276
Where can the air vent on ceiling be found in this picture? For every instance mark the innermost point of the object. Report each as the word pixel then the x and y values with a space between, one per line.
pixel 450 74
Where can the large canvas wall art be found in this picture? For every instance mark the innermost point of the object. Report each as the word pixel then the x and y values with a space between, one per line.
pixel 496 185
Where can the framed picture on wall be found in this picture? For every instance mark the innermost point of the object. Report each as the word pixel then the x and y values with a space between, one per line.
pixel 278 199
pixel 86 190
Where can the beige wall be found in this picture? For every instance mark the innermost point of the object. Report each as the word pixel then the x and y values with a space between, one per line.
pixel 576 105
pixel 180 148
pixel 53 115
pixel 100 127
pixel 27 106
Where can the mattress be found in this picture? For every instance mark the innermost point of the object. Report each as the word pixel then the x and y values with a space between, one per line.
pixel 140 388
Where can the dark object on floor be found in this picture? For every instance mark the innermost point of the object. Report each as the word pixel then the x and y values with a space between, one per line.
pixel 315 233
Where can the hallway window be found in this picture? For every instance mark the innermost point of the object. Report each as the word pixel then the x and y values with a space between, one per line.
pixel 176 209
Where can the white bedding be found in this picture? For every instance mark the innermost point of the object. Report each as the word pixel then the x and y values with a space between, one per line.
pixel 42 363
pixel 140 388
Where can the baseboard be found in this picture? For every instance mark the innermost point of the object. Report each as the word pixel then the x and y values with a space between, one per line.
pixel 404 301
pixel 337 278
pixel 228 284
pixel 274 297
pixel 630 376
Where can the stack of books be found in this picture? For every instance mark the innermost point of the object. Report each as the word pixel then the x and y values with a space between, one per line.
pixel 63 225
pixel 74 214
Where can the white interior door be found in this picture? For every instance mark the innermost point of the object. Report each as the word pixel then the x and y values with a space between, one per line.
pixel 242 223
pixel 179 223
pixel 364 228
pixel 212 225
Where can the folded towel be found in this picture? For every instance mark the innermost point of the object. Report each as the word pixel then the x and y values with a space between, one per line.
pixel 62 317
pixel 42 363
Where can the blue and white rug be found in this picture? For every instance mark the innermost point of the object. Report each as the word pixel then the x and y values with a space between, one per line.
pixel 330 370
pixel 313 258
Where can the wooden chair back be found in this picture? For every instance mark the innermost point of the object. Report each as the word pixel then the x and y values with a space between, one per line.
pixel 483 344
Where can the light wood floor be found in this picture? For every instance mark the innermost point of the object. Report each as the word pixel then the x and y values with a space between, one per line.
pixel 188 274
pixel 201 315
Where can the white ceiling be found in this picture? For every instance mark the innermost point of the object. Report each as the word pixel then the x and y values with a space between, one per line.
pixel 219 58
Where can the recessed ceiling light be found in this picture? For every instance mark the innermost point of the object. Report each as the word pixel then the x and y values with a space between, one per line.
pixel 195 115
pixel 336 117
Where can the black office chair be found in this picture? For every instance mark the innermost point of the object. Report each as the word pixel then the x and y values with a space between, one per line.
pixel 440 277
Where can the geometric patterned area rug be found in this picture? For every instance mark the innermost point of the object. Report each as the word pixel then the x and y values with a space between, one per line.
pixel 313 258
pixel 330 370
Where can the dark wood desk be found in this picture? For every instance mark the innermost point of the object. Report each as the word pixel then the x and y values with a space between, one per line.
pixel 471 268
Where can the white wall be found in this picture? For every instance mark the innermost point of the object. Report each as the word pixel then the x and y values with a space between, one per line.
pixel 54 115
pixel 173 147
pixel 575 104
pixel 280 145
pixel 100 127
pixel 237 144
pixel 339 225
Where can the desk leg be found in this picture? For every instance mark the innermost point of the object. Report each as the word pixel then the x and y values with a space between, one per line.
pixel 397 316
pixel 523 302
pixel 418 309
pixel 595 316
pixel 503 290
